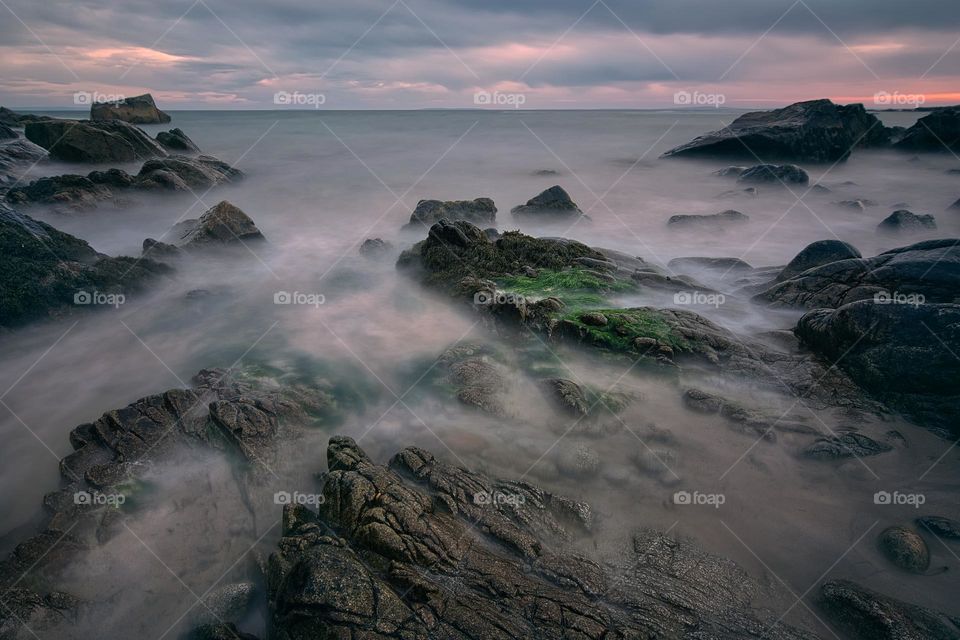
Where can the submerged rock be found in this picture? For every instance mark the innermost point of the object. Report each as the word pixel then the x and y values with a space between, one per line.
pixel 93 141
pixel 905 548
pixel 902 221
pixel 481 211
pixel 938 131
pixel 550 204
pixel 716 264
pixel 847 445
pixel 568 395
pixel 774 174
pixel 177 140
pixel 375 248
pixel 221 224
pixel 811 131
pixel 713 220
pixel 136 110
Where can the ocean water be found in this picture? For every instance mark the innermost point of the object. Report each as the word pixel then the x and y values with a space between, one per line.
pixel 318 184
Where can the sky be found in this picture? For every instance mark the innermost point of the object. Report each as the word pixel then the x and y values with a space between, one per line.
pixel 416 54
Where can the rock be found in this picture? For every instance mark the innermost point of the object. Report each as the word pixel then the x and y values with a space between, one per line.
pixel 593 319
pixel 550 204
pixel 578 462
pixel 221 224
pixel 228 603
pixel 715 264
pixel 568 395
pixel 71 192
pixel 710 221
pixel 745 420
pixel 543 173
pixel 749 192
pixel 853 205
pixel 903 221
pixel 938 131
pixel 25 612
pixel 49 273
pixel 6 133
pixel 817 254
pixel 480 211
pixel 181 173
pixel 219 631
pixel 863 614
pixel 729 171
pixel 775 174
pixel 902 354
pixel 930 269
pixel 905 548
pixel 375 248
pixel 8 118
pixel 943 527
pixel 819 188
pixel 955 206
pixel 17 155
pixel 847 445
pixel 477 378
pixel 156 250
pixel 177 140
pixel 136 110
pixel 421 548
pixel 811 131
pixel 93 141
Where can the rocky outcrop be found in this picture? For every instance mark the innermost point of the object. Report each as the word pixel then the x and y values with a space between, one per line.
pixel 552 204
pixel 930 269
pixel 938 131
pixel 863 614
pixel 481 211
pixel 817 254
pixel 182 173
pixel 177 141
pixel 17 155
pixel 421 548
pixel 715 221
pixel 89 141
pixel 221 224
pixel 902 354
pixel 375 248
pixel 784 174
pixel 49 273
pixel 903 221
pixel 812 131
pixel 135 110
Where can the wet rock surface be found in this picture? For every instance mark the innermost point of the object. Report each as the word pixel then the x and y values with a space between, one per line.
pixel 783 174
pixel 939 131
pixel 554 203
pixel 817 254
pixel 481 211
pixel 222 224
pixel 176 140
pixel 88 141
pixel 135 109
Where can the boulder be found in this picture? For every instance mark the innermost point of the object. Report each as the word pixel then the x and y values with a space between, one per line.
pixel 955 206
pixel 135 110
pixel 182 173
pixel 716 221
pixel 940 526
pixel 937 131
pixel 729 171
pixel 375 248
pixel 478 380
pixel 863 614
pixel 156 250
pixel 72 192
pixel 817 254
pixel 567 395
pixel 221 224
pixel 176 140
pixel 550 204
pixel 902 354
pixel 905 548
pixel 16 156
pixel 93 141
pixel 784 174
pixel 481 211
pixel 903 221
pixel 811 131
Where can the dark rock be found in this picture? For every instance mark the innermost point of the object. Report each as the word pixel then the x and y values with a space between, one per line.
pixel 479 211
pixel 550 204
pixel 905 548
pixel 812 131
pixel 542 173
pixel 8 118
pixel 717 264
pixel 938 131
pixel 593 319
pixel 177 140
pixel 17 155
pixel 729 171
pixel 943 527
pixel 867 615
pixel 817 254
pixel 116 178
pixel 227 603
pixel 375 248
pixel 900 353
pixel 751 421
pixel 221 224
pixel 819 188
pixel 6 133
pixel 903 221
pixel 156 250
pixel 70 191
pixel 44 269
pixel 853 205
pixel 182 173
pixel 568 395
pixel 955 206
pixel 774 174
pixel 136 110
pixel 847 445
pixel 477 378
pixel 711 221
pixel 93 141
pixel 219 631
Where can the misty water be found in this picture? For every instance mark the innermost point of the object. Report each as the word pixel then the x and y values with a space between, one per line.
pixel 318 184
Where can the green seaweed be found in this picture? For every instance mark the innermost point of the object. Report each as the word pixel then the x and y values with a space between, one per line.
pixel 578 288
pixel 626 325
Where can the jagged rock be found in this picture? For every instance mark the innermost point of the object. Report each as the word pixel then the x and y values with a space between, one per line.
pixel 479 211
pixel 221 224
pixel 426 549
pixel 156 250
pixel 867 615
pixel 45 270
pixel 900 353
pixel 73 192
pixel 811 131
pixel 375 248
pixel 25 613
pixel 568 395
pixel 718 264
pixel 903 221
pixel 938 131
pixel 943 527
pixel 930 268
pixel 774 174
pixel 551 204
pixel 710 221
pixel 905 548
pixel 847 445
pixel 181 173
pixel 93 141
pixel 177 140
pixel 817 254
pixel 136 110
